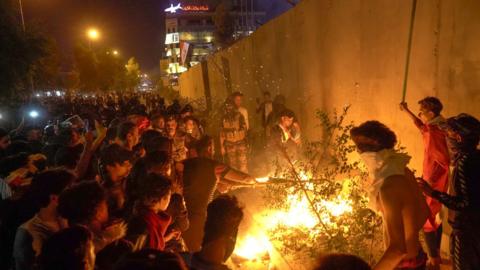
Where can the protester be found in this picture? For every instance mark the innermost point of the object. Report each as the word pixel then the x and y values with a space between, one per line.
pixel 463 133
pixel 237 99
pixel 114 168
pixel 179 151
pixel 202 178
pixel 158 122
pixel 127 135
pixel 436 163
pixel 149 224
pixel 30 236
pixel 92 213
pixel 69 249
pixel 224 215
pixel 394 194
pixel 265 109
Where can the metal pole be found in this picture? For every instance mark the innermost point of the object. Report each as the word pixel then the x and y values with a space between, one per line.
pixel 30 77
pixel 21 15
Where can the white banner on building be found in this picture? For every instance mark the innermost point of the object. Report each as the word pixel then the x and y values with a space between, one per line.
pixel 184 46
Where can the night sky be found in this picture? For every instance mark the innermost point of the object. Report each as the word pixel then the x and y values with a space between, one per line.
pixel 133 27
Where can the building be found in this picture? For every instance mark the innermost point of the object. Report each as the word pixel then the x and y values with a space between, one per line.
pixel 190 31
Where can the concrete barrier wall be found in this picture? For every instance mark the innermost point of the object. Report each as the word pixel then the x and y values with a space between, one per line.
pixel 328 53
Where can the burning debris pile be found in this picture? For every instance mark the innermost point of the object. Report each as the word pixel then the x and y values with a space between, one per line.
pixel 315 205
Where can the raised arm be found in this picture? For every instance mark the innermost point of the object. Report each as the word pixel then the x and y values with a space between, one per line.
pixel 416 120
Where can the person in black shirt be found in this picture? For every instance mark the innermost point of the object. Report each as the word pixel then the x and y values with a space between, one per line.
pixel 463 133
pixel 202 177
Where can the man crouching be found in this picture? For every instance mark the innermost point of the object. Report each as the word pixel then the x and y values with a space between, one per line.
pixel 395 194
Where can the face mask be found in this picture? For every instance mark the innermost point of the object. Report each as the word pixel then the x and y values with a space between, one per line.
pixel 372 160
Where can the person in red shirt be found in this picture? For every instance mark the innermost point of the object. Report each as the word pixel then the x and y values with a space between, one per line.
pixel 436 163
pixel 148 227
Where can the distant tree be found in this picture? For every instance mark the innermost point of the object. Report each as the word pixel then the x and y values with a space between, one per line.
pixel 46 70
pixel 132 74
pixel 86 65
pixel 224 26
pixel 111 72
pixel 70 80
pixel 19 51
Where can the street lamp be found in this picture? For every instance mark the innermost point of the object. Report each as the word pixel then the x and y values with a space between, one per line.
pixel 115 52
pixel 92 35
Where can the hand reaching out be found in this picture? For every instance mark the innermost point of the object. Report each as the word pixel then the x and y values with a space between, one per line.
pixel 425 187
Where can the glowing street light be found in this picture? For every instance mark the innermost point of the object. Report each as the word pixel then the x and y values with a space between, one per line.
pixel 115 52
pixel 93 34
pixel 33 114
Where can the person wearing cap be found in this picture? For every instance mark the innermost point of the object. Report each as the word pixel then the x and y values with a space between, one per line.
pixel 114 168
pixel 237 99
pixel 463 134
pixel 436 164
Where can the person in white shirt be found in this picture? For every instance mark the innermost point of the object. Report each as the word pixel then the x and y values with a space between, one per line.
pixel 237 99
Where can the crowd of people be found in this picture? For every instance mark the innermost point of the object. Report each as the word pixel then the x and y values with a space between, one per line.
pixel 111 181
pixel 127 182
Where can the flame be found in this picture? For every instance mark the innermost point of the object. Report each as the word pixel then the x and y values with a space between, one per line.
pixel 298 213
pixel 262 179
pixel 254 246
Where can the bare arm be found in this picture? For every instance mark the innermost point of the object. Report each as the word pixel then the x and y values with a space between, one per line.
pixel 393 222
pixel 416 120
pixel 90 147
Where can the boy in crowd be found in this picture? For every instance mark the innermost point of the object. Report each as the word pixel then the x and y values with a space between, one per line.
pixel 436 162
pixel 148 227
pixel 92 212
pixel 30 236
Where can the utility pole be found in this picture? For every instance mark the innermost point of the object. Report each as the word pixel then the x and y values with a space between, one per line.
pixel 30 77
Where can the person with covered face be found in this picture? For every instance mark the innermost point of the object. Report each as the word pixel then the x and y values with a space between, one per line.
pixel 233 137
pixel 436 166
pixel 394 193
pixel 463 134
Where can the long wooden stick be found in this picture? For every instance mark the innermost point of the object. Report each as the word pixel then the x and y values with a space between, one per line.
pixel 409 48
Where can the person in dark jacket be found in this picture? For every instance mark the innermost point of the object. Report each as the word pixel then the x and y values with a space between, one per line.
pixel 463 134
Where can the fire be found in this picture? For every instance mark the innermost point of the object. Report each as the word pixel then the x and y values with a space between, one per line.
pixel 254 247
pixel 262 179
pixel 298 213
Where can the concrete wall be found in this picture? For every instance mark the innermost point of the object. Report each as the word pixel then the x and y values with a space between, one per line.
pixel 328 53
